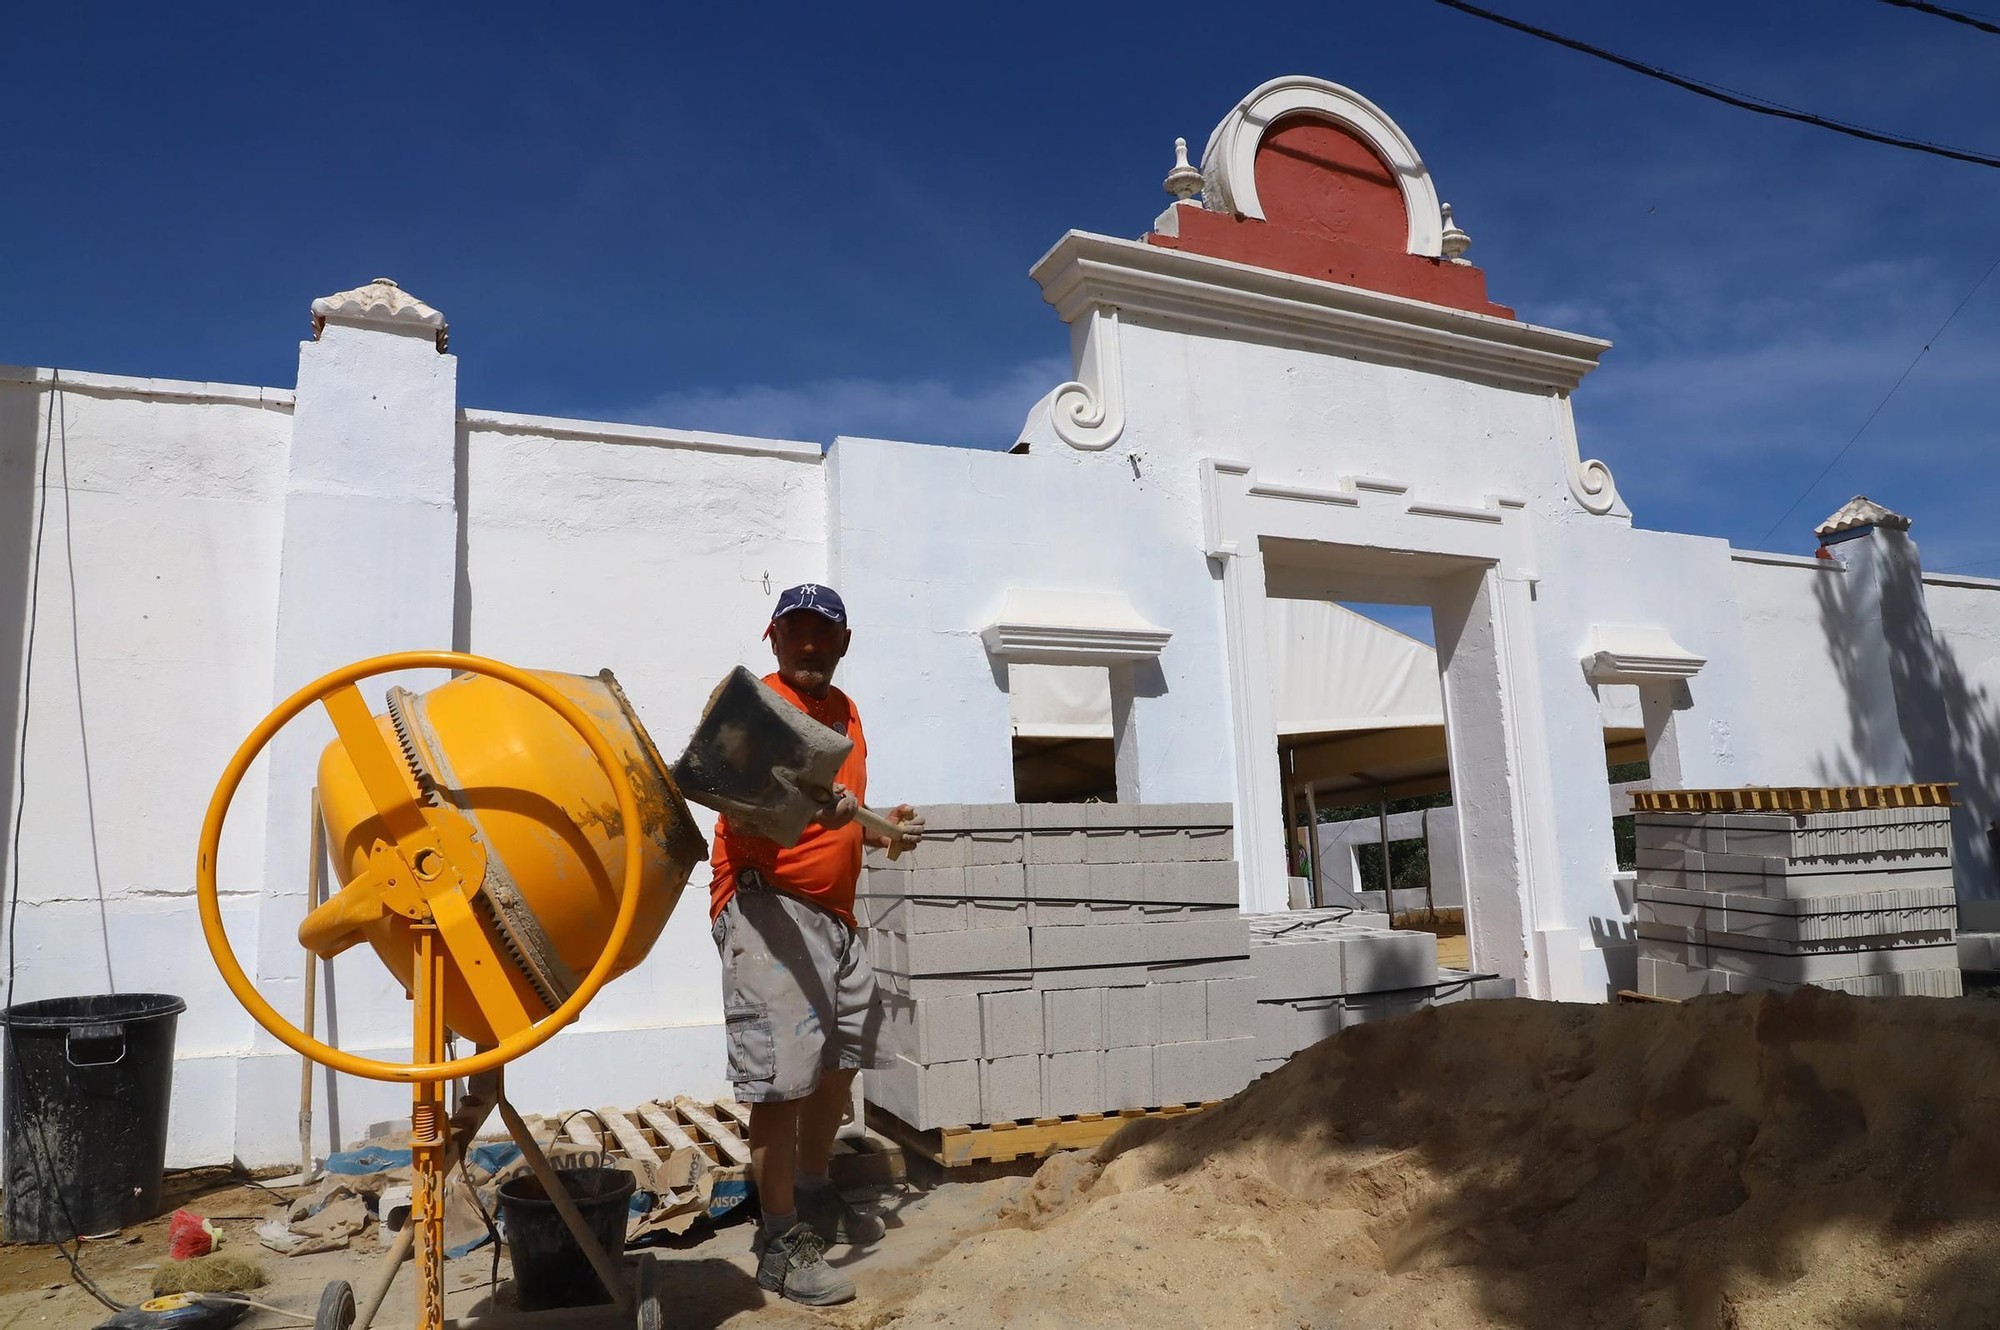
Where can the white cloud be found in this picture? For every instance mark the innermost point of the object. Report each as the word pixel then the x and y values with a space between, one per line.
pixel 979 414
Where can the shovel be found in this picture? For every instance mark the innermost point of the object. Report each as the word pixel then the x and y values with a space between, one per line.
pixel 766 765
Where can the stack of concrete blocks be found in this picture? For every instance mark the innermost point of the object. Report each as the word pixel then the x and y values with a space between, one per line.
pixel 1862 902
pixel 1041 960
pixel 1323 971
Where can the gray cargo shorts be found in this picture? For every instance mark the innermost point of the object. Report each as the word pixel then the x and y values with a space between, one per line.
pixel 798 994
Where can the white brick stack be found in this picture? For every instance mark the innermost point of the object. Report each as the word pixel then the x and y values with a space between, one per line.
pixel 1322 971
pixel 1038 960
pixel 1858 901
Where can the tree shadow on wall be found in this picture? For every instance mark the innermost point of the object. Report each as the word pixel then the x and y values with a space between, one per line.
pixel 1950 724
pixel 1548 1166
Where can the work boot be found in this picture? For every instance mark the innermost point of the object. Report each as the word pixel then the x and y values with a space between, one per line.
pixel 793 1265
pixel 837 1223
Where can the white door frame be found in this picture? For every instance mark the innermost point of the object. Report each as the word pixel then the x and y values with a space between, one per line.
pixel 1493 712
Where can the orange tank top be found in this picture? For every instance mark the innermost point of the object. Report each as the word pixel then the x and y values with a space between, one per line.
pixel 825 865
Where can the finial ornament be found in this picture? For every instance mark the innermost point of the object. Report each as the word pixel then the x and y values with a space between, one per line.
pixel 1455 241
pixel 1183 182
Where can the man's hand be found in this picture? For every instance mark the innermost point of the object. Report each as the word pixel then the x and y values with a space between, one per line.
pixel 909 826
pixel 839 811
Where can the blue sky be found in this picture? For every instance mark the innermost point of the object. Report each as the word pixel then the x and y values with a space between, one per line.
pixel 819 220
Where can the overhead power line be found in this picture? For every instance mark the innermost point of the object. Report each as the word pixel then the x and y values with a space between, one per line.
pixel 1954 567
pixel 1742 101
pixel 1956 16
pixel 1929 342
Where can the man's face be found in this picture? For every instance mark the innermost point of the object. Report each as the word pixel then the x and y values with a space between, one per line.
pixel 808 647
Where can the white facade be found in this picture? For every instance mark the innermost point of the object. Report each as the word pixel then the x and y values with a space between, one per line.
pixel 1235 436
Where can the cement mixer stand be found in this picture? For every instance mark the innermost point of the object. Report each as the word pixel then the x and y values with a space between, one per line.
pixel 422 875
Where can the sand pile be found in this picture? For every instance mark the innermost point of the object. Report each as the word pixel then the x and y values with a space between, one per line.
pixel 1800 1161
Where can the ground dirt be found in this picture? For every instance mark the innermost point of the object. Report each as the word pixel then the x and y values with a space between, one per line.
pixel 1806 1161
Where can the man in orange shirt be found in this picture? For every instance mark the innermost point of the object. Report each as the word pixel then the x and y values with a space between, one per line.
pixel 798 993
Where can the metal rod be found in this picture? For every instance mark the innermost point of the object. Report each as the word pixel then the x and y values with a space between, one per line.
pixel 392 1261
pixel 545 1173
pixel 1315 891
pixel 428 1130
pixel 1388 877
pixel 315 887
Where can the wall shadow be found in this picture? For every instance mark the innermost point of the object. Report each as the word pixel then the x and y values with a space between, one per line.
pixel 1956 739
pixel 20 442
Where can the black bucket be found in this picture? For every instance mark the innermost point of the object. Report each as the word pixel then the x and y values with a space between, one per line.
pixel 550 1270
pixel 88 1084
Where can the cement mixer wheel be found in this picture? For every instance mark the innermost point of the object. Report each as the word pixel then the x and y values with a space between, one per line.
pixel 336 1307
pixel 651 1301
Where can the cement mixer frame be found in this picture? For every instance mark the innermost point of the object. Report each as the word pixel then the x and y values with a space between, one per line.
pixel 428 870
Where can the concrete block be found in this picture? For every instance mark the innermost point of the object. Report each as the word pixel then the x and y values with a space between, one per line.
pixel 1667 979
pixel 1977 952
pixel 1073 1020
pixel 1131 1018
pixel 1113 817
pixel 1204 1070
pixel 948 818
pixel 1316 1019
pixel 1185 882
pixel 1180 972
pixel 1113 912
pixel 1488 987
pixel 1058 882
pixel 997 914
pixel 969 951
pixel 994 817
pixel 1011 1023
pixel 1210 815
pixel 1265 1066
pixel 1362 1008
pixel 1297 965
pixel 1183 1012
pixel 1004 881
pixel 944 1094
pixel 1128 1078
pixel 943 849
pixel 1072 1083
pixel 995 847
pixel 932 916
pixel 1091 976
pixel 1661 831
pixel 1231 1008
pixel 1058 914
pixel 1202 938
pixel 1159 844
pixel 1010 1088
pixel 1111 845
pixel 1116 882
pixel 1054 833
pixel 952 985
pixel 930 1030
pixel 1377 962
pixel 1271 1024
pixel 1105 944
pixel 1209 845
pixel 937 881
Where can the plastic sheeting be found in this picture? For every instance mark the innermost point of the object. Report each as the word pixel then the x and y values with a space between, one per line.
pixel 1332 669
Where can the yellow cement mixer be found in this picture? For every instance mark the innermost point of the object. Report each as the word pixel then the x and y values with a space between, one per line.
pixel 507 843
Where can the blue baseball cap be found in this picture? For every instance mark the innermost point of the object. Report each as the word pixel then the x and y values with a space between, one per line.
pixel 821 600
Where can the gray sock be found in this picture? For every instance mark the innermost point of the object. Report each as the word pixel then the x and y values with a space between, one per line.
pixel 775 1224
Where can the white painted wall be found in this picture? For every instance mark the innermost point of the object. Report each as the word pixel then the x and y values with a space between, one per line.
pixel 217 556
pixel 1965 615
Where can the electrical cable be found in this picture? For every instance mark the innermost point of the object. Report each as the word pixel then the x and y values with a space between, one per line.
pixel 1954 567
pixel 1742 101
pixel 41 1160
pixel 1929 342
pixel 1939 11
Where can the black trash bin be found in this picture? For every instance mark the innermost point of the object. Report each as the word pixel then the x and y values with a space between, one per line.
pixel 550 1269
pixel 88 1084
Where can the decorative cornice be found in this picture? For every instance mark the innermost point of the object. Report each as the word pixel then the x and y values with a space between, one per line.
pixel 1590 481
pixel 1861 511
pixel 598 431
pixel 121 386
pixel 1093 418
pixel 1621 654
pixel 1085 273
pixel 383 304
pixel 1229 163
pixel 1072 628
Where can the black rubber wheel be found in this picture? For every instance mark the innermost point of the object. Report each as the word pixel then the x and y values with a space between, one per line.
pixel 336 1307
pixel 651 1302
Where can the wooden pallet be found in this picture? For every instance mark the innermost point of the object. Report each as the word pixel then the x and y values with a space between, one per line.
pixel 1794 799
pixel 1027 1138
pixel 1633 995
pixel 694 1154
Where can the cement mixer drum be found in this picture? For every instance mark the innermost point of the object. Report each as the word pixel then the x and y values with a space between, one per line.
pixel 539 839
